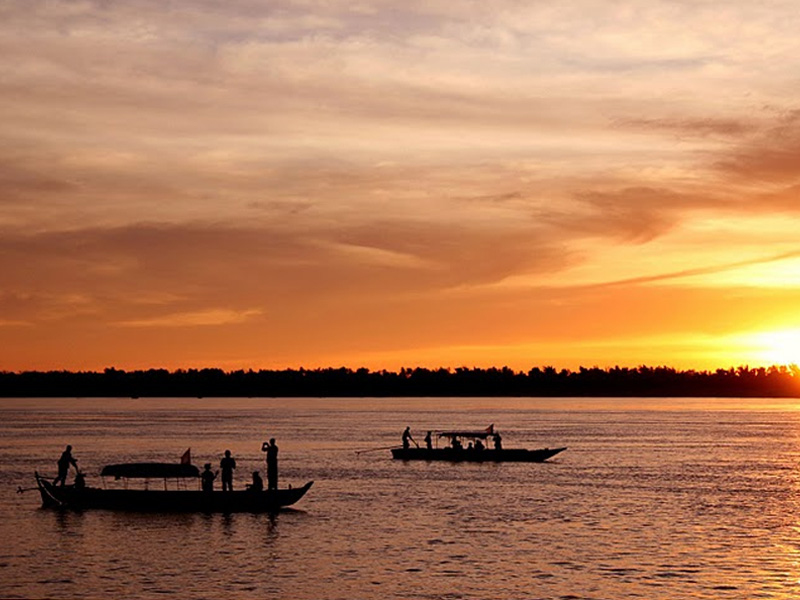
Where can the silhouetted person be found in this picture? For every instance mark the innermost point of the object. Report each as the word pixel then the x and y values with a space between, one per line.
pixel 478 445
pixel 258 483
pixel 63 465
pixel 227 465
pixel 469 447
pixel 457 444
pixel 428 441
pixel 272 465
pixel 207 478
pixel 407 437
pixel 498 441
pixel 80 481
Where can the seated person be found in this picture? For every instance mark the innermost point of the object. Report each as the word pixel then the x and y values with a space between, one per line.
pixel 207 478
pixel 258 483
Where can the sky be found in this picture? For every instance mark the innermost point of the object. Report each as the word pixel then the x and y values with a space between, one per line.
pixel 314 183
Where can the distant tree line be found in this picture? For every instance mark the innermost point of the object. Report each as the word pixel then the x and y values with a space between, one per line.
pixel 641 381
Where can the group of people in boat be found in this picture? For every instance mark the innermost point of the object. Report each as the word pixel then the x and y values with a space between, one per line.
pixel 227 465
pixel 455 441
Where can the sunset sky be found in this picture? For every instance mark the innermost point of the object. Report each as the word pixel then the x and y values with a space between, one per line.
pixel 270 184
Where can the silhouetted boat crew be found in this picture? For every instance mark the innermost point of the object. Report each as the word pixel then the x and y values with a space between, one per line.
pixel 428 441
pixel 477 450
pixel 272 464
pixel 227 465
pixel 207 478
pixel 80 496
pixel 64 462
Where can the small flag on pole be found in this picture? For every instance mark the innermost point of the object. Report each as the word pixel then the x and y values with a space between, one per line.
pixel 186 459
pixel 490 429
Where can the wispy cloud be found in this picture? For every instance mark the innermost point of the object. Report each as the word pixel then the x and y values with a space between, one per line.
pixel 339 165
pixel 217 316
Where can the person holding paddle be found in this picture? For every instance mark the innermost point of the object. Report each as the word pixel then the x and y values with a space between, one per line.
pixel 407 437
pixel 63 465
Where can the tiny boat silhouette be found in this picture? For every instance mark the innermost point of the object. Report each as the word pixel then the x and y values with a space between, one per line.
pixel 82 497
pixel 456 452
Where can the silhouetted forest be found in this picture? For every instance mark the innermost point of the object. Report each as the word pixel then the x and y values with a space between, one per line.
pixel 342 382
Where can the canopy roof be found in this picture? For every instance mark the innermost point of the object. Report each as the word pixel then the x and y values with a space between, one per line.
pixel 150 470
pixel 482 434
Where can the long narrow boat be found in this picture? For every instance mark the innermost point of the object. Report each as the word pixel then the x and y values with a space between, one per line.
pixel 477 452
pixel 164 500
pixel 448 454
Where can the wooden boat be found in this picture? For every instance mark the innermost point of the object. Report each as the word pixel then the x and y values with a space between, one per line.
pixel 486 455
pixel 81 497
pixel 477 452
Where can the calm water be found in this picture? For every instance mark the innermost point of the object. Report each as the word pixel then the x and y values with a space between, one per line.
pixel 654 499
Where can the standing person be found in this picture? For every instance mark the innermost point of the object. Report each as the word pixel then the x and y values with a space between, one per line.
pixel 428 441
pixel 63 465
pixel 498 441
pixel 407 437
pixel 207 478
pixel 227 465
pixel 272 465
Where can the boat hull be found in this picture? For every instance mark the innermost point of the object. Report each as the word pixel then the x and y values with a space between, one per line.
pixel 450 455
pixel 68 497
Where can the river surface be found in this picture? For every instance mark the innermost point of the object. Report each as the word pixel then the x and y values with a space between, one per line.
pixel 654 499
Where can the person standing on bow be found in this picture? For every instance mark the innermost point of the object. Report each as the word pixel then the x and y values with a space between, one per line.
pixel 63 465
pixel 407 437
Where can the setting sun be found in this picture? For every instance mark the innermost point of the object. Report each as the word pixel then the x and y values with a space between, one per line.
pixel 778 347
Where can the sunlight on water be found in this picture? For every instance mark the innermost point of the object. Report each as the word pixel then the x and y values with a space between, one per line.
pixel 669 502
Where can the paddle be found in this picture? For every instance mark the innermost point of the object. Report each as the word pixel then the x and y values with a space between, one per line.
pixel 376 449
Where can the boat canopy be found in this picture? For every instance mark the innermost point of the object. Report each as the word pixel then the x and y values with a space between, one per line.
pixel 483 434
pixel 152 470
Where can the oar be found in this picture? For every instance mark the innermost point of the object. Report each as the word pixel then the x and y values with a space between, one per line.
pixel 376 449
pixel 22 490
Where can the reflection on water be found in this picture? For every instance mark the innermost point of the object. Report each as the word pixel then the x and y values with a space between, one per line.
pixel 650 504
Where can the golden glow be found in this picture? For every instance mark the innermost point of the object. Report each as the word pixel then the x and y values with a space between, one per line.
pixel 778 347
pixel 562 185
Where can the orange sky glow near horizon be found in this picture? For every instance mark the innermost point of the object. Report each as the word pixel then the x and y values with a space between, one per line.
pixel 383 185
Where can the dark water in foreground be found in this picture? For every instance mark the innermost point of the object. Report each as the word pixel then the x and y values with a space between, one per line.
pixel 665 500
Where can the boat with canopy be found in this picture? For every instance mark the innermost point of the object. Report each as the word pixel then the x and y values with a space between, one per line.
pixel 180 492
pixel 475 450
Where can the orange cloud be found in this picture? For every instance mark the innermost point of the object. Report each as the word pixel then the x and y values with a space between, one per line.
pixel 282 184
